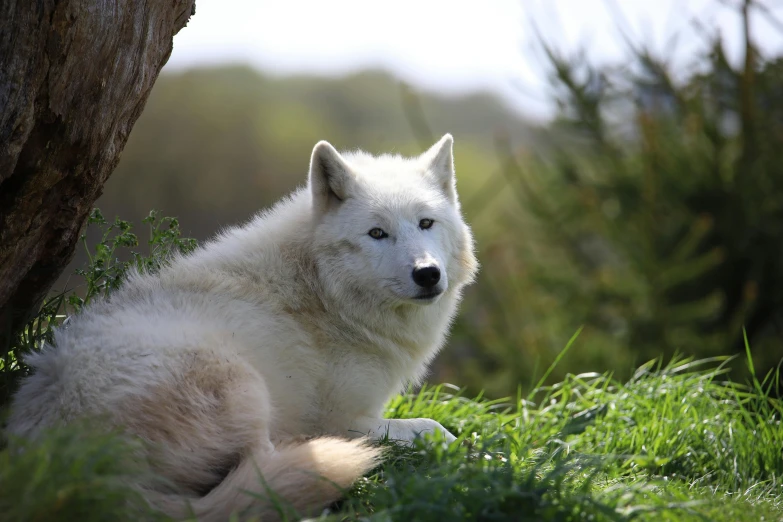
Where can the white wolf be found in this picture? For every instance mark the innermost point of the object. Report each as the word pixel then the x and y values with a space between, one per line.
pixel 271 347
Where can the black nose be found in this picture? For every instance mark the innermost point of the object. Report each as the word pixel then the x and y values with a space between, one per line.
pixel 426 276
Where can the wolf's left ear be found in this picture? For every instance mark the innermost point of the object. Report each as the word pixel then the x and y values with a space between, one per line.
pixel 330 176
pixel 439 162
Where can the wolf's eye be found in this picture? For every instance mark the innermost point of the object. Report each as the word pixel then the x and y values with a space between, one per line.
pixel 377 233
pixel 425 223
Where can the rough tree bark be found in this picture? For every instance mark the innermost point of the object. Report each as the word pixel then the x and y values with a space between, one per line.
pixel 74 77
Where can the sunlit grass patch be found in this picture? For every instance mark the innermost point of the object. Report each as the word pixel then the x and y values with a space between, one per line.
pixel 676 442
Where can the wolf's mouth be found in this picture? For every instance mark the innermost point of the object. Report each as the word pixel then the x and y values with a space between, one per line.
pixel 428 296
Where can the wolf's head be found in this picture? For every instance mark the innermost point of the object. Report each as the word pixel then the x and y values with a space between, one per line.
pixel 388 229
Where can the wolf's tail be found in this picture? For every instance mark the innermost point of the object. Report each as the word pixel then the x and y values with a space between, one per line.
pixel 305 477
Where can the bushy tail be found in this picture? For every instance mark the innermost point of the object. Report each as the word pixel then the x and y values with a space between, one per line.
pixel 305 477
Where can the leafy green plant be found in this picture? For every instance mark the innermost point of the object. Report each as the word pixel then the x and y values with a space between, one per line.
pixel 104 273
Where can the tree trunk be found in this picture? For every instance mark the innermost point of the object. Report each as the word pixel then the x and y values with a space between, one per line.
pixel 74 77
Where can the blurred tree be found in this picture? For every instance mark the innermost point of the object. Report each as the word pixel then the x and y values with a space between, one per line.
pixel 656 219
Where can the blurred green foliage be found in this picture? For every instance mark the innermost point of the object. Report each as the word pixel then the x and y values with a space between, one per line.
pixel 73 474
pixel 655 219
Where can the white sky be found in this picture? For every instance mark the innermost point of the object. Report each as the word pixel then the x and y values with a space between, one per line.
pixel 450 45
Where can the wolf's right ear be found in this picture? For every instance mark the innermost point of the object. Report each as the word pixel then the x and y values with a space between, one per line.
pixel 330 176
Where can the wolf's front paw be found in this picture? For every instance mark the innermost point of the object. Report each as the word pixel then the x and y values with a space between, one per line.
pixel 408 430
pixel 432 426
pixel 398 430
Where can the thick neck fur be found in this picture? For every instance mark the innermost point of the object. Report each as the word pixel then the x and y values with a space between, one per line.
pixel 270 262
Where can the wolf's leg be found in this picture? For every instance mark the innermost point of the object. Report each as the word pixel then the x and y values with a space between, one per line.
pixel 210 411
pixel 398 430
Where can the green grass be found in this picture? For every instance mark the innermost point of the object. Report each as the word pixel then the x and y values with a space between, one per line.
pixel 71 475
pixel 676 443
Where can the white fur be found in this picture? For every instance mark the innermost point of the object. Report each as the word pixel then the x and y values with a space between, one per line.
pixel 296 324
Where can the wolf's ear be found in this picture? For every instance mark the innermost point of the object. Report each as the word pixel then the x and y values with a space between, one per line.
pixel 330 177
pixel 439 162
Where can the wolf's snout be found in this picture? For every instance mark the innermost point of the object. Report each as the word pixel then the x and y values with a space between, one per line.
pixel 426 276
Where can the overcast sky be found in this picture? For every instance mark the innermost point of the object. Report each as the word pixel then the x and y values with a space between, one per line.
pixel 450 45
